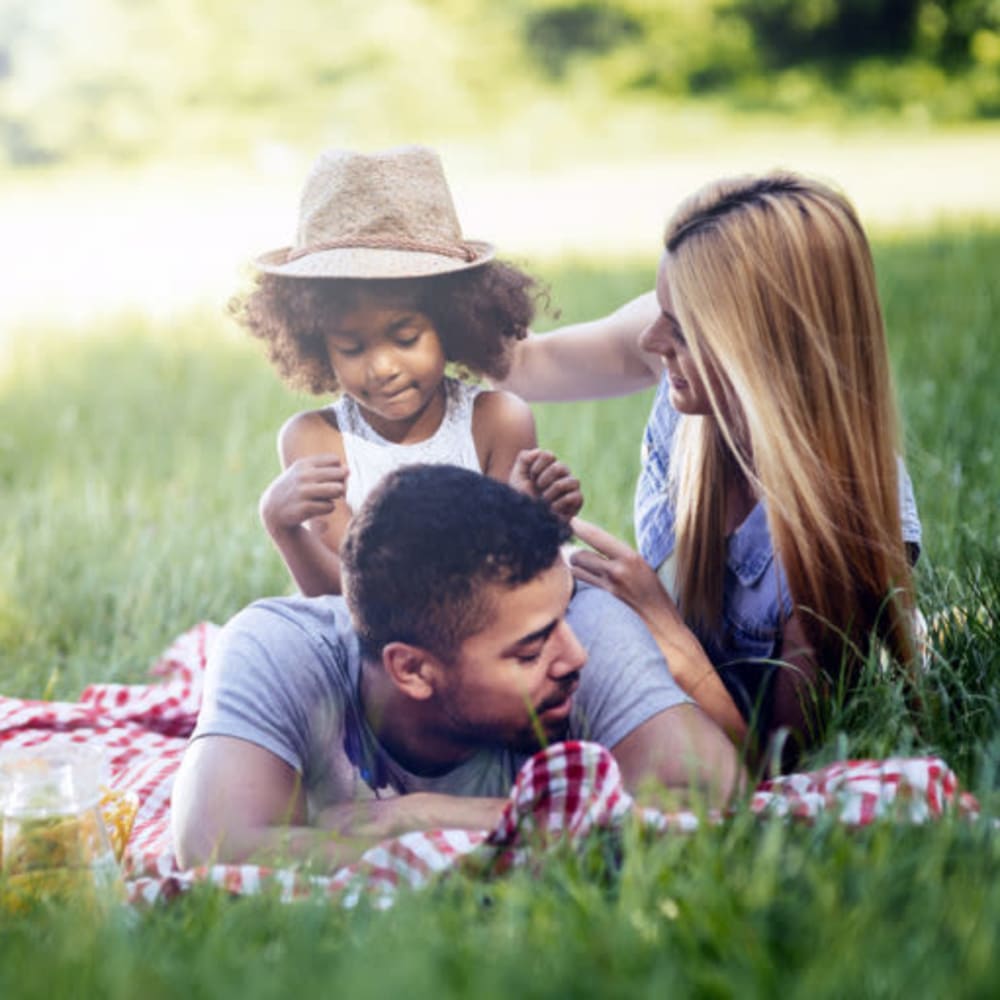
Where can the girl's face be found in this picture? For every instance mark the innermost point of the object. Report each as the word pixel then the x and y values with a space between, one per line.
pixel 665 337
pixel 390 359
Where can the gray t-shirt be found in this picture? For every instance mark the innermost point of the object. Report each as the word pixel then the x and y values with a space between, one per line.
pixel 284 674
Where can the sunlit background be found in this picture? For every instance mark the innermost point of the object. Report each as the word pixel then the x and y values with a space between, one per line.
pixel 148 149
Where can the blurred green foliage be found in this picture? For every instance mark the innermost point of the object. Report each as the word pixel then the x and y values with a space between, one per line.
pixel 126 79
pixel 134 78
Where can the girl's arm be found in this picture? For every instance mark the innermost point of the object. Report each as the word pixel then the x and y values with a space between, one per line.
pixel 621 571
pixel 304 509
pixel 503 427
pixel 590 360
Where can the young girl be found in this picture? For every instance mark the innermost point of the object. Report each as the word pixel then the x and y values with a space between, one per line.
pixel 378 296
pixel 774 518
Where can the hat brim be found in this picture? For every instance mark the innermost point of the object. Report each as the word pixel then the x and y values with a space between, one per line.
pixel 368 262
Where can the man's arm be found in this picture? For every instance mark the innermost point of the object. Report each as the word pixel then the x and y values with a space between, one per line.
pixel 271 694
pixel 630 703
pixel 682 753
pixel 234 801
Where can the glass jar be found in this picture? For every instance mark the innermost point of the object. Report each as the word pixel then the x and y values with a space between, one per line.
pixel 55 842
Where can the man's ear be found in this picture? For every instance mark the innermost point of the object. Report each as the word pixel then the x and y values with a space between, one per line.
pixel 413 670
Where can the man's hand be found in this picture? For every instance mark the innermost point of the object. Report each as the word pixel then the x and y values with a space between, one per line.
pixel 376 819
pixel 540 474
pixel 309 487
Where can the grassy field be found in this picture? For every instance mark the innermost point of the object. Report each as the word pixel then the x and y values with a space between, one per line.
pixel 131 459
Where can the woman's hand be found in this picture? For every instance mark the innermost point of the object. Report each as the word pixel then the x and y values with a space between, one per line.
pixel 541 475
pixel 310 487
pixel 620 570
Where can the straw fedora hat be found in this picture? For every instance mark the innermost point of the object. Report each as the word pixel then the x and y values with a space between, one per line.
pixel 380 215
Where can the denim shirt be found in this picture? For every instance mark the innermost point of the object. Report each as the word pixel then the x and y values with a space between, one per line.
pixel 756 599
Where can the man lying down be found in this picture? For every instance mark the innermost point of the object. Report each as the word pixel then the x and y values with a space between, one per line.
pixel 461 646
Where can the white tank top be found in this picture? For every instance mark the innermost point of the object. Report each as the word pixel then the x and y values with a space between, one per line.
pixel 370 456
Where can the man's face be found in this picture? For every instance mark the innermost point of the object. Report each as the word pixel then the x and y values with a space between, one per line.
pixel 513 681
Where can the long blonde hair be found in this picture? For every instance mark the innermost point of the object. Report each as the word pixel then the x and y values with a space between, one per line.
pixel 773 284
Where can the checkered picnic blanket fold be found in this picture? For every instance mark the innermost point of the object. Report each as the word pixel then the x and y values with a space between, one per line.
pixel 560 796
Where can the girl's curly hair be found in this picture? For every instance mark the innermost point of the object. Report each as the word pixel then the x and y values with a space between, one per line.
pixel 477 313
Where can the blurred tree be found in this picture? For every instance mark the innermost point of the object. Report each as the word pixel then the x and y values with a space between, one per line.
pixel 929 56
pixel 794 32
pixel 797 32
pixel 669 45
pixel 131 78
pixel 555 34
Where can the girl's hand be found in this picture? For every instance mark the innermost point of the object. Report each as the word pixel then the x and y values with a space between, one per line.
pixel 620 570
pixel 541 475
pixel 309 487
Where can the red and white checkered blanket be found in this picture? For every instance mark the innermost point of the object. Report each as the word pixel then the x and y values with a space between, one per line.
pixel 561 794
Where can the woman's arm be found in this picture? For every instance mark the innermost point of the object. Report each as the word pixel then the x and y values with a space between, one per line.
pixel 590 360
pixel 798 686
pixel 619 569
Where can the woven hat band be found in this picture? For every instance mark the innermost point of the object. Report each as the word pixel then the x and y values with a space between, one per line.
pixel 459 252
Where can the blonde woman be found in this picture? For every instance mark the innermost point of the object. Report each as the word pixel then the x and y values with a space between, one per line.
pixel 774 519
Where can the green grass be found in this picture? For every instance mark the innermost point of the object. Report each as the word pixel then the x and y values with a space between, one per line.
pixel 741 910
pixel 131 459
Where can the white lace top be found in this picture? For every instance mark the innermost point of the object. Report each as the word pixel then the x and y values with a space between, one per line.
pixel 370 456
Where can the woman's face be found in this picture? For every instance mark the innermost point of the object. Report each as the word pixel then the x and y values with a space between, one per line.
pixel 665 338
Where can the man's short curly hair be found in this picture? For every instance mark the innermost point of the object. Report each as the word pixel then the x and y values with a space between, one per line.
pixel 477 313
pixel 426 544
